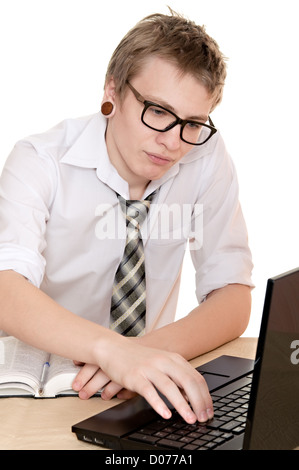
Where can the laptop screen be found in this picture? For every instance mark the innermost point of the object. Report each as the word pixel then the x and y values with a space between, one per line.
pixel 273 415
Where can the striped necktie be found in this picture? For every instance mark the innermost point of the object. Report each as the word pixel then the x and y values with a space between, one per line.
pixel 128 305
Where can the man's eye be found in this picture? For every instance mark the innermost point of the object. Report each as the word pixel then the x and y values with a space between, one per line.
pixel 157 111
pixel 194 125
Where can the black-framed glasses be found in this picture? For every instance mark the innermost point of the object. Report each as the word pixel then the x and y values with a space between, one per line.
pixel 161 119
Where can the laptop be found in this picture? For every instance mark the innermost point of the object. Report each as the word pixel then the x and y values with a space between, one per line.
pixel 256 403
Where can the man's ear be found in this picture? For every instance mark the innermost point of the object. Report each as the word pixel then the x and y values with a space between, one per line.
pixel 110 90
pixel 108 102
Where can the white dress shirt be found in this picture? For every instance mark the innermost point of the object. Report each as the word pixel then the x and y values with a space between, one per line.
pixel 62 228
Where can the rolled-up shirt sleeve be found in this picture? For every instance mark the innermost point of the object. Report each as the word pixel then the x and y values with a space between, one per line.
pixel 223 256
pixel 27 188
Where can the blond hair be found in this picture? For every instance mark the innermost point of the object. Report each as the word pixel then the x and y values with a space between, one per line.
pixel 173 38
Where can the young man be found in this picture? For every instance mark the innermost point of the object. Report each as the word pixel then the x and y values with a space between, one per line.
pixel 63 233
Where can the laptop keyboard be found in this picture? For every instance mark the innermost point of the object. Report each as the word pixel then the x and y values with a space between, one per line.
pixel 230 412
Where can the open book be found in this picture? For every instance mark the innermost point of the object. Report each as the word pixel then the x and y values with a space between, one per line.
pixel 26 371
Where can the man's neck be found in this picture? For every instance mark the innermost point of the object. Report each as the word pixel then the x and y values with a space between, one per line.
pixel 137 185
pixel 137 192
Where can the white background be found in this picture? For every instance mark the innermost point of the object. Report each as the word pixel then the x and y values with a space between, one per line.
pixel 54 55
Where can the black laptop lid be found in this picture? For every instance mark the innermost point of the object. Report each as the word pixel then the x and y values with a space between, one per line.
pixel 273 415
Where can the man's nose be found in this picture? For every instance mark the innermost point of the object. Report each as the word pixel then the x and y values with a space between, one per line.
pixel 171 138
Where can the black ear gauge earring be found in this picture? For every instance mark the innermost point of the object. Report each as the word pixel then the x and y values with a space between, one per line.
pixel 107 108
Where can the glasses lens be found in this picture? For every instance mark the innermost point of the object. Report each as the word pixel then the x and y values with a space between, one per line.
pixel 196 133
pixel 158 118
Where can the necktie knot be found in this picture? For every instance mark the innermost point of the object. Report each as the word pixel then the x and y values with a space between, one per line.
pixel 135 211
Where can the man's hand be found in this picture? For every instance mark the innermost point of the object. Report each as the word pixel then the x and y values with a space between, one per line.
pixel 145 370
pixel 90 379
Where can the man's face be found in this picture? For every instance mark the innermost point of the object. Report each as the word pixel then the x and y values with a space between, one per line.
pixel 141 154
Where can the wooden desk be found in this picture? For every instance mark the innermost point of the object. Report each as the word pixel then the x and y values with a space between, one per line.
pixel 28 424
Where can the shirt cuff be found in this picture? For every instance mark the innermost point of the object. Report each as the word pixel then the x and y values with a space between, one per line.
pixel 233 270
pixel 23 261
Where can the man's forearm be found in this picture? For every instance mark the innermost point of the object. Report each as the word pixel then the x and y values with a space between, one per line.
pixel 221 318
pixel 30 315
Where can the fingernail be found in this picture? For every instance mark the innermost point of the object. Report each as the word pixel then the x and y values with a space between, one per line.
pixel 167 414
pixel 210 413
pixel 76 386
pixel 203 417
pixel 83 395
pixel 190 417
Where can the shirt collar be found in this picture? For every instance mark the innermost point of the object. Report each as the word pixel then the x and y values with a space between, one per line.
pixel 89 151
pixel 89 145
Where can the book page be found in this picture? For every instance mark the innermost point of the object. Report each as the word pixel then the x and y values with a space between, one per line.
pixel 20 363
pixel 60 376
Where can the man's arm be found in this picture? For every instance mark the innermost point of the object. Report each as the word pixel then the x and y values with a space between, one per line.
pixel 30 315
pixel 221 318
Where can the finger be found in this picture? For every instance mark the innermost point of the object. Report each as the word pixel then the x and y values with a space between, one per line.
pixel 125 394
pixel 186 389
pixel 149 392
pixel 94 385
pixel 207 399
pixel 83 376
pixel 111 390
pixel 196 392
pixel 89 381
pixel 199 397
pixel 175 396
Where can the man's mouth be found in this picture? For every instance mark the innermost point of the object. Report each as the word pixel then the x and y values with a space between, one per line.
pixel 158 159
